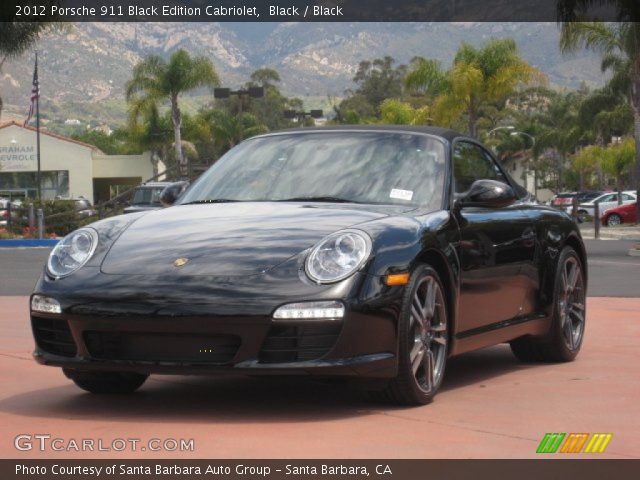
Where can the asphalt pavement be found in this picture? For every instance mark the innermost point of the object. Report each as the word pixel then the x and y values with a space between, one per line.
pixel 612 272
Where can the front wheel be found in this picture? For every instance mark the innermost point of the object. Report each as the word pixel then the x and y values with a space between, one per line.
pixel 106 382
pixel 423 341
pixel 613 220
pixel 582 216
pixel 564 340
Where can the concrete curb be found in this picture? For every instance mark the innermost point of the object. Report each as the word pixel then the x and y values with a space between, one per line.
pixel 28 242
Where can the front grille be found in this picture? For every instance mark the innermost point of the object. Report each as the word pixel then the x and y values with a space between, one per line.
pixel 298 343
pixel 159 347
pixel 53 336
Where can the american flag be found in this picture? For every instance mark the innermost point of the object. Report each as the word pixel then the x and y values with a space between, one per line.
pixel 35 93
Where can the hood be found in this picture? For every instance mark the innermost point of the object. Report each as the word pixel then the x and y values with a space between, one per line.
pixel 228 239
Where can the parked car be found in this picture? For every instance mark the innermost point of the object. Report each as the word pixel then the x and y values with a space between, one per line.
pixel 621 214
pixel 146 197
pixel 588 195
pixel 4 210
pixel 369 253
pixel 84 207
pixel 563 199
pixel 605 201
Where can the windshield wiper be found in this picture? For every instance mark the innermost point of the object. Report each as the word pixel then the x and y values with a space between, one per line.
pixel 318 199
pixel 212 200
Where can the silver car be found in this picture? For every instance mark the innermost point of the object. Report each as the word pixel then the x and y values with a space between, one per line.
pixel 605 201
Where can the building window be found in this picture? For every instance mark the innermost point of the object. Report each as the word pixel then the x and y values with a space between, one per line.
pixel 23 184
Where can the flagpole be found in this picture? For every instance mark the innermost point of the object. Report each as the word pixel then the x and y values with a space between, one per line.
pixel 38 131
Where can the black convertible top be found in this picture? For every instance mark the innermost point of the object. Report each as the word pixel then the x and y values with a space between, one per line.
pixel 445 133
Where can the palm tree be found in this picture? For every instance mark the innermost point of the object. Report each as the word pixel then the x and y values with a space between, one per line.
pixel 229 129
pixel 425 77
pixel 619 44
pixel 147 130
pixel 155 80
pixel 479 77
pixel 560 129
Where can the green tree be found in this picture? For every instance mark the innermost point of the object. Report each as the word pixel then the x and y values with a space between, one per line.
pixel 478 77
pixel 156 79
pixel 148 130
pixel 425 77
pixel 396 112
pixel 109 144
pixel 618 160
pixel 269 110
pixel 586 162
pixel 559 129
pixel 265 77
pixel 619 44
pixel 228 129
pixel 376 80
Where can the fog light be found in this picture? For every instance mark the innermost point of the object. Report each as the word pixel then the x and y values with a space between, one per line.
pixel 332 310
pixel 45 304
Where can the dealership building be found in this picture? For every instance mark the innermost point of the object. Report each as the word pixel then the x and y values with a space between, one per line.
pixel 69 168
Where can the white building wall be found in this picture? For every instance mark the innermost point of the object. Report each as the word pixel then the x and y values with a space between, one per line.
pixel 113 166
pixel 55 154
pixel 83 162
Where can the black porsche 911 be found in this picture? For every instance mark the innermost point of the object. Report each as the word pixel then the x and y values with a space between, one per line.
pixel 372 253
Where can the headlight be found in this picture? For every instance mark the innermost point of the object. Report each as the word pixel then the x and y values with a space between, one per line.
pixel 338 256
pixel 72 252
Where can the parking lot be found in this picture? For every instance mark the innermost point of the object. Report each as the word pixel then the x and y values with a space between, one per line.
pixel 490 405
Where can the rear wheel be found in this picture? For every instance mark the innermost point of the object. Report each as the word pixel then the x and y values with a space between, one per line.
pixel 106 382
pixel 582 216
pixel 423 341
pixel 613 220
pixel 569 314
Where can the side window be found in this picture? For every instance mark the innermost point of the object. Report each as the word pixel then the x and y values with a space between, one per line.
pixel 626 197
pixel 471 163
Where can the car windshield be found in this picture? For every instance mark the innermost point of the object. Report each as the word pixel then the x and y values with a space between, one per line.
pixel 146 196
pixel 347 167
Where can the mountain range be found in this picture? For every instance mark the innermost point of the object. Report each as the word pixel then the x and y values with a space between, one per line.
pixel 84 66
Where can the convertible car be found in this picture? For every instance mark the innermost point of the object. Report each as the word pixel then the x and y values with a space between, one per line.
pixel 369 253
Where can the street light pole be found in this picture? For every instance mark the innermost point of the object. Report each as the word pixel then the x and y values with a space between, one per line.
pixel 251 92
pixel 531 137
pixel 300 116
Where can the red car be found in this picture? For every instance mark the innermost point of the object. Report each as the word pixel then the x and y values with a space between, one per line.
pixel 621 214
pixel 564 199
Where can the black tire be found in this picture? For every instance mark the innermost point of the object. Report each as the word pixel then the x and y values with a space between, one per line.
pixel 106 382
pixel 408 388
pixel 582 216
pixel 613 219
pixel 564 340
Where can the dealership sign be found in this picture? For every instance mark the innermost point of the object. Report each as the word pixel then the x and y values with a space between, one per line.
pixel 18 158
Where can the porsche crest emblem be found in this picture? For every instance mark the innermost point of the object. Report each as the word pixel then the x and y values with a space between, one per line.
pixel 180 262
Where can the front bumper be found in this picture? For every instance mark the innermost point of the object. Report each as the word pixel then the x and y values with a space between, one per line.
pixel 195 329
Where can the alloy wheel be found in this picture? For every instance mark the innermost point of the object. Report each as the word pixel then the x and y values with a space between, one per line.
pixel 572 303
pixel 428 334
pixel 614 220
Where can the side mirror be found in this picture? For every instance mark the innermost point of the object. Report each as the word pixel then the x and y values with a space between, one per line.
pixel 488 193
pixel 172 192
